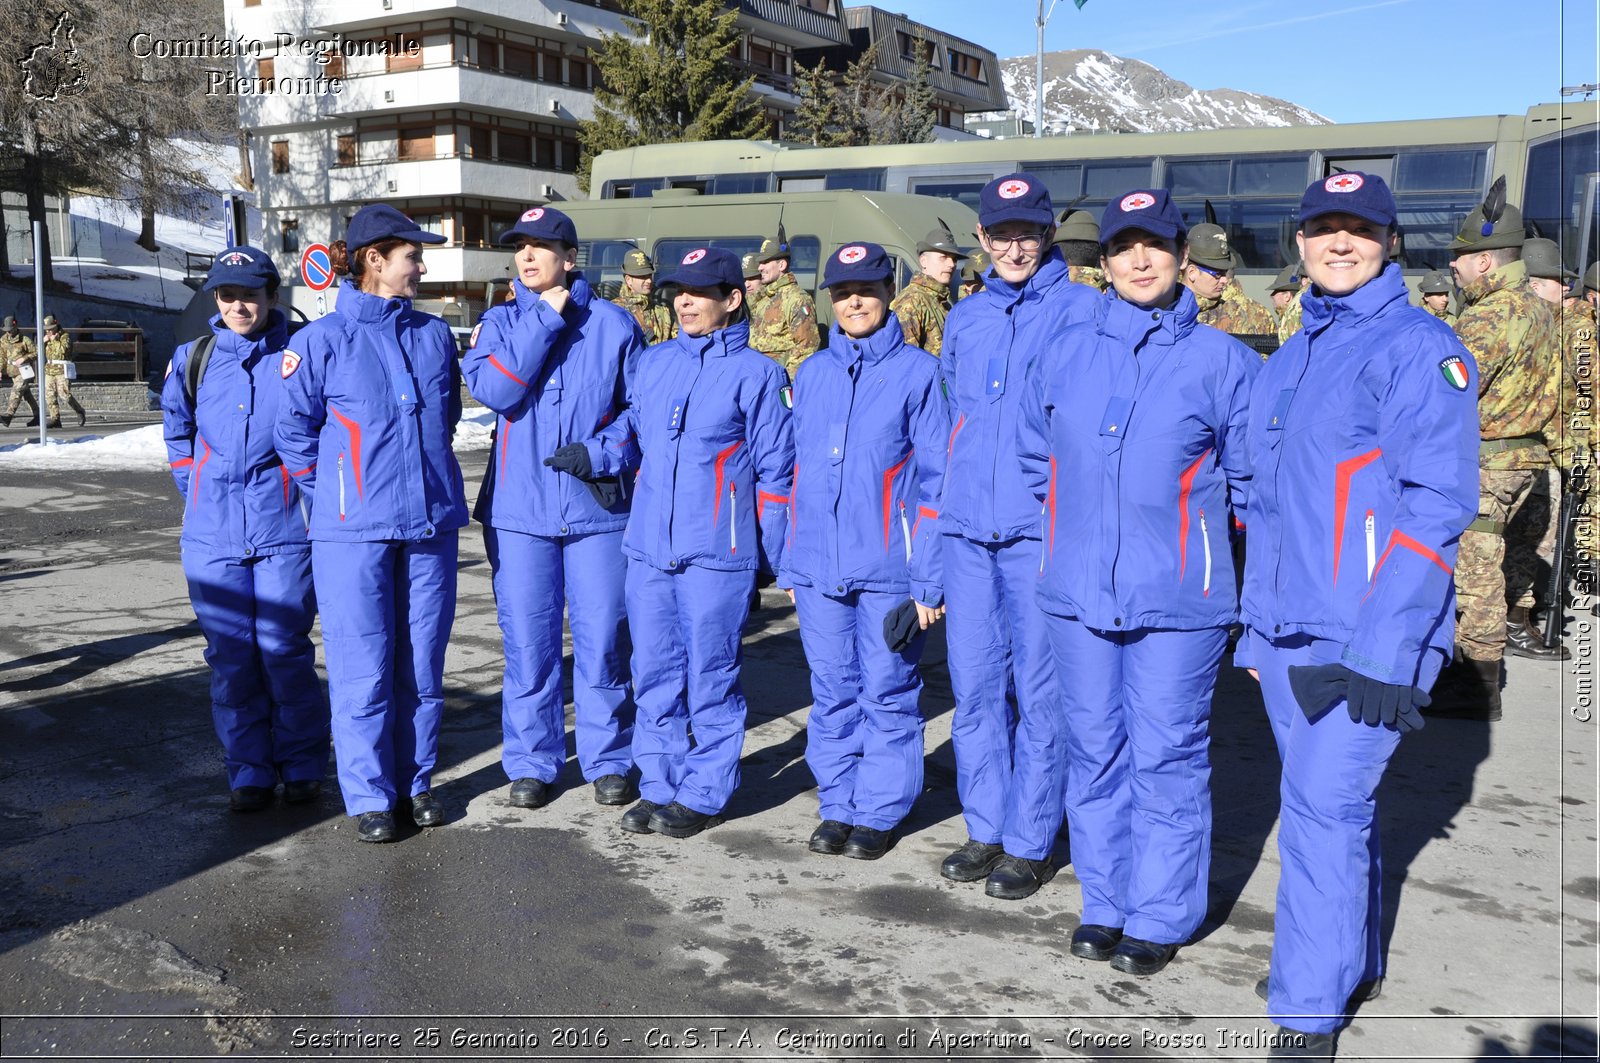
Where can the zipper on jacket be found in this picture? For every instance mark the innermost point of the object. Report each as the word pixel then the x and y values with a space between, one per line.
pixel 341 485
pixel 905 530
pixel 733 519
pixel 1372 545
pixel 1205 540
pixel 1044 535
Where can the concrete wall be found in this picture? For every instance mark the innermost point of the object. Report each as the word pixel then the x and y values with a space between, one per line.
pixel 75 309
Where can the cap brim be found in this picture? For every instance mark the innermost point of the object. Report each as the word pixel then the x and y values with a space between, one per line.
pixel 1370 215
pixel 1004 214
pixel 923 249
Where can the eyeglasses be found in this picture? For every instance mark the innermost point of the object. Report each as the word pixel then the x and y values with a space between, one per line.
pixel 1027 242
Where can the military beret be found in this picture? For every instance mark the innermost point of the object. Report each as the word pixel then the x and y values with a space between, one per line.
pixel 1209 247
pixel 942 241
pixel 379 221
pixel 857 262
pixel 1078 225
pixel 1364 195
pixel 1435 282
pixel 241 267
pixel 707 267
pixel 542 223
pixel 1543 259
pixel 773 249
pixel 637 264
pixel 752 266
pixel 1015 197
pixel 1288 279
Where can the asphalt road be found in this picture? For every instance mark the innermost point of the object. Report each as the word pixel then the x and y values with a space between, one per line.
pixel 139 919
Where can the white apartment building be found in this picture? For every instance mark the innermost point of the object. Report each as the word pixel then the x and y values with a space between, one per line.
pixel 461 114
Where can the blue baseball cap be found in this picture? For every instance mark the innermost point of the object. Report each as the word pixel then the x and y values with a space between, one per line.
pixel 542 223
pixel 379 221
pixel 1150 209
pixel 857 262
pixel 1015 197
pixel 707 267
pixel 241 267
pixel 1363 194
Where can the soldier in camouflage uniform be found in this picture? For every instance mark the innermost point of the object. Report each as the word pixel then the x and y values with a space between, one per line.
pixel 1531 533
pixel 1435 289
pixel 783 319
pixel 16 351
pixel 1209 275
pixel 1514 338
pixel 57 355
pixel 1287 287
pixel 925 302
pixel 638 282
pixel 1078 236
pixel 972 274
pixel 752 277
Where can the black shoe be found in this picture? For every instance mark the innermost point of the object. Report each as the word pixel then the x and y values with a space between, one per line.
pixel 375 827
pixel 680 821
pixel 972 861
pixel 637 819
pixel 1014 878
pixel 426 811
pixel 829 838
pixel 1140 957
pixel 1524 640
pixel 613 790
pixel 83 418
pixel 867 843
pixel 5 420
pixel 1094 942
pixel 1297 1044
pixel 529 793
pixel 1371 989
pixel 35 422
pixel 250 798
pixel 301 791
pixel 54 422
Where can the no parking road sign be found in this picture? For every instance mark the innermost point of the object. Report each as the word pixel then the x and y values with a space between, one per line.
pixel 316 267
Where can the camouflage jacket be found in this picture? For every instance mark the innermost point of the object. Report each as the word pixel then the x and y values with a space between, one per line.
pixel 1289 320
pixel 655 321
pixel 1093 276
pixel 1576 431
pixel 1443 315
pixel 1515 338
pixel 14 350
pixel 1234 313
pixel 57 352
pixel 783 323
pixel 921 308
pixel 967 288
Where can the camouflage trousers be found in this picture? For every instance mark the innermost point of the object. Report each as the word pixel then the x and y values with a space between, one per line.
pixel 21 391
pixel 1482 584
pixel 56 391
pixel 1531 541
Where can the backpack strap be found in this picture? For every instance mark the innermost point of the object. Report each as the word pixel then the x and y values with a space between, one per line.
pixel 194 370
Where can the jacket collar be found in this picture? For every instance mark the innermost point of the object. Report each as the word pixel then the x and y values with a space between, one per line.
pixel 578 291
pixel 274 336
pixel 1051 272
pixel 368 308
pixel 720 344
pixel 872 349
pixel 1136 325
pixel 1365 303
pixel 1510 275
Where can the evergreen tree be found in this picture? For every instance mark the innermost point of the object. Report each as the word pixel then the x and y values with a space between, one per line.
pixel 818 120
pixel 919 104
pixel 670 81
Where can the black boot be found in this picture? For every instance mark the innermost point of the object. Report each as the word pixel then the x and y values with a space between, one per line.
pixel 5 420
pixel 1525 640
pixel 77 408
pixel 1468 689
pixel 54 422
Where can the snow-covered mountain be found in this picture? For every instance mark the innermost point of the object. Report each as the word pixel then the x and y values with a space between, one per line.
pixel 1087 90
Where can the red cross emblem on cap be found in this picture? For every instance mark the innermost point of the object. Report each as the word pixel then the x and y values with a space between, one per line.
pixel 1136 201
pixel 235 258
pixel 694 256
pixel 1012 189
pixel 853 253
pixel 533 215
pixel 1344 182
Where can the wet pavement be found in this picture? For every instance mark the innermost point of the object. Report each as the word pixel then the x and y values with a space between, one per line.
pixel 140 919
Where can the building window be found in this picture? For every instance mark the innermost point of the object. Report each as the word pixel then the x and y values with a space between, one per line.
pixel 280 156
pixel 967 66
pixel 416 143
pixel 290 228
pixel 520 61
pixel 406 53
pixel 266 68
pixel 334 67
pixel 516 147
pixel 345 150
pixel 480 142
pixel 910 46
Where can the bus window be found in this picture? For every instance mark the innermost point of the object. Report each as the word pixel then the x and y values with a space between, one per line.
pixel 856 181
pixel 1185 178
pixel 1439 171
pixel 601 263
pixel 1112 179
pixel 1377 165
pixel 739 183
pixel 637 189
pixel 967 192
pixel 1271 177
pixel 1561 195
pixel 1064 182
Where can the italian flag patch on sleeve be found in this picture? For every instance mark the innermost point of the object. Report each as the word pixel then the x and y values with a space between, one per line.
pixel 1455 372
pixel 786 396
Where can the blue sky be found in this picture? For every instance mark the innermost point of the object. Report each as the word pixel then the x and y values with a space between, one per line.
pixel 1366 61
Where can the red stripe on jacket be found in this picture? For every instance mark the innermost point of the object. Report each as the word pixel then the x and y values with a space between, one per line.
pixel 722 459
pixel 1185 485
pixel 888 501
pixel 1342 473
pixel 354 428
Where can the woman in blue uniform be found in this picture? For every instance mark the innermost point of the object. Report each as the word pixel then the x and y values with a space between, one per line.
pixel 1133 439
pixel 372 397
pixel 864 551
pixel 1363 434
pixel 553 364
pixel 709 415
pixel 245 553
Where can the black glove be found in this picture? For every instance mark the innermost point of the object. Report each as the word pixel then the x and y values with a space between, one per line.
pixel 901 626
pixel 1317 687
pixel 572 458
pixel 605 490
